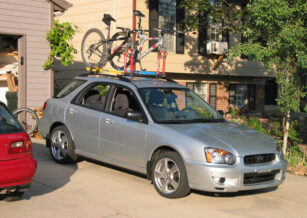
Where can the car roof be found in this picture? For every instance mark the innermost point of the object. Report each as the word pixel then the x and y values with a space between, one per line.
pixel 139 82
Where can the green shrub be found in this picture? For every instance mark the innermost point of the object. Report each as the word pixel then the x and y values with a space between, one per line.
pixel 295 156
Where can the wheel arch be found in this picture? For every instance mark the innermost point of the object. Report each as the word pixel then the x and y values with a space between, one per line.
pixel 159 150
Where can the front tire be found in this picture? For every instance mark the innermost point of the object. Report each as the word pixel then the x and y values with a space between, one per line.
pixel 62 148
pixel 93 49
pixel 169 175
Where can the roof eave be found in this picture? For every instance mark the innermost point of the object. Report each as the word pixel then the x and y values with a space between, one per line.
pixel 61 5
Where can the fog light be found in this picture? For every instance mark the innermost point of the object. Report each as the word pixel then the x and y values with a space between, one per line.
pixel 227 182
pixel 222 180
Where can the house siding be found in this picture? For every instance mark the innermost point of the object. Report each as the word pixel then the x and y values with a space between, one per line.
pixel 30 18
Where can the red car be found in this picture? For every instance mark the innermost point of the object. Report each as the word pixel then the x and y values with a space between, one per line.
pixel 17 166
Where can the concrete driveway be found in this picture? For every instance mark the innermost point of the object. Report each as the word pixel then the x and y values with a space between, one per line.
pixel 89 189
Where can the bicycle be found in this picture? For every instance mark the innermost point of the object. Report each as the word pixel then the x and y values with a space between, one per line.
pixel 27 118
pixel 101 47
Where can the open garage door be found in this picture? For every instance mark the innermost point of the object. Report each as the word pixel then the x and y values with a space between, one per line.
pixel 12 70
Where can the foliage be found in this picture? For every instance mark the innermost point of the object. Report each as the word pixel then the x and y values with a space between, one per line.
pixel 103 90
pixel 256 124
pixel 59 38
pixel 276 35
pixel 295 156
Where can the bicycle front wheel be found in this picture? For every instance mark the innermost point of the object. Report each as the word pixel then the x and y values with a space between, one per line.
pixel 93 49
pixel 117 54
pixel 28 119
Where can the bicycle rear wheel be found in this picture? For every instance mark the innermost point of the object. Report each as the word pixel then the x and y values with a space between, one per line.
pixel 117 54
pixel 28 119
pixel 93 49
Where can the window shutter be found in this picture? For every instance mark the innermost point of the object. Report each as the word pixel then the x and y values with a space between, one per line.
pixel 252 97
pixel 179 36
pixel 202 34
pixel 153 19
pixel 212 95
pixel 232 95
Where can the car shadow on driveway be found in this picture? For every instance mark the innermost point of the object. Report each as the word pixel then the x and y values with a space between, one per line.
pixel 50 176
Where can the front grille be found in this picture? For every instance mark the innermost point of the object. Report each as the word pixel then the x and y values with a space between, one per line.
pixel 258 158
pixel 253 178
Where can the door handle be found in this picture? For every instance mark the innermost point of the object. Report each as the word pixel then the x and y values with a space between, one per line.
pixel 72 111
pixel 108 121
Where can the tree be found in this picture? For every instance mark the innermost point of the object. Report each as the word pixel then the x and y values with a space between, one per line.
pixel 276 35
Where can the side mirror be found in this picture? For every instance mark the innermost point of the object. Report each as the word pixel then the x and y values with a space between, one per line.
pixel 221 112
pixel 134 115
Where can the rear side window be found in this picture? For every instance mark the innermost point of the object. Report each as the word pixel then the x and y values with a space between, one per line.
pixel 8 124
pixel 69 88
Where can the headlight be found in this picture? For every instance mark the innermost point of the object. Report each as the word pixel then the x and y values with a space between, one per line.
pixel 279 152
pixel 219 156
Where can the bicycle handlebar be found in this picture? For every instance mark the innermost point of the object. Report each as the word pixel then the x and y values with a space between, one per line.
pixel 163 31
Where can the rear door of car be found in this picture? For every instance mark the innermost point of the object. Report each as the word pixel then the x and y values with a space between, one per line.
pixel 83 118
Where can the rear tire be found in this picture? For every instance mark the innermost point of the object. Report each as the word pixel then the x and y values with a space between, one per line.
pixel 93 49
pixel 169 175
pixel 62 148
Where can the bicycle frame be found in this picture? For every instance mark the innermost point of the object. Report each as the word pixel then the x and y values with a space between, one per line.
pixel 143 39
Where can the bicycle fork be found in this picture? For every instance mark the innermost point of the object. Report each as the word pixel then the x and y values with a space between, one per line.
pixel 161 55
pixel 129 54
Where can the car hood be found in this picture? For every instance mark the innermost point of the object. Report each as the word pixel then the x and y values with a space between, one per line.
pixel 229 136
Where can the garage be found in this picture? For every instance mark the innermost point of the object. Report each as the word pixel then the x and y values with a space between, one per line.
pixel 24 49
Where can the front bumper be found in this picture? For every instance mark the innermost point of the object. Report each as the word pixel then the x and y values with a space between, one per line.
pixel 17 172
pixel 235 178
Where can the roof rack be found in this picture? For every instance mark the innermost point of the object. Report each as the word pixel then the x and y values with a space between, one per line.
pixel 125 76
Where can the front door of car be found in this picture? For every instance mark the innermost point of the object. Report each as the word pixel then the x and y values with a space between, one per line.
pixel 83 117
pixel 122 139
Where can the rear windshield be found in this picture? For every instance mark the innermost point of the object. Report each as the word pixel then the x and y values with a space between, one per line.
pixel 8 124
pixel 71 86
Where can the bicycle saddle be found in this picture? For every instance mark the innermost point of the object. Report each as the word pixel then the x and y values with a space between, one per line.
pixel 138 13
pixel 107 18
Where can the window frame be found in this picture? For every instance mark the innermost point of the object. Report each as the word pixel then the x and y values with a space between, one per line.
pixel 250 92
pixel 154 23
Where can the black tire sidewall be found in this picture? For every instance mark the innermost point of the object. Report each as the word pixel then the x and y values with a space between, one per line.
pixel 82 46
pixel 183 188
pixel 70 155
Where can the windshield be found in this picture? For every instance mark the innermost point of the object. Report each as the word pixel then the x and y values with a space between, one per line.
pixel 8 124
pixel 170 105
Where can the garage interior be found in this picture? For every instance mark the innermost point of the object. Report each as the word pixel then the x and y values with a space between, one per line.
pixel 9 70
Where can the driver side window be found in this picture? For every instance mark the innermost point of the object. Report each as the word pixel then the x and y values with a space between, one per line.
pixel 124 100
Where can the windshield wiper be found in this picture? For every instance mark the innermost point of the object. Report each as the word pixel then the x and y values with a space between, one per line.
pixel 207 120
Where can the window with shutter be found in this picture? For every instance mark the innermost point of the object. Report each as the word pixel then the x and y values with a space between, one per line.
pixel 242 95
pixel 211 38
pixel 165 14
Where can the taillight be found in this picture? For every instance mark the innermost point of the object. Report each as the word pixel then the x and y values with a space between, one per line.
pixel 45 105
pixel 20 147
